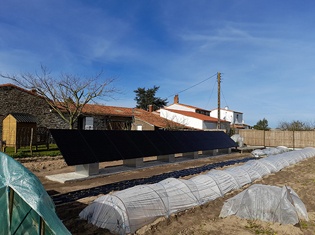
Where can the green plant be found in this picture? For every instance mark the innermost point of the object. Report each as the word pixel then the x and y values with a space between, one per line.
pixel 259 229
pixel 41 151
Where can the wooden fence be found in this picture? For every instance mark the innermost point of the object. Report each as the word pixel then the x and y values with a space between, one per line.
pixel 290 139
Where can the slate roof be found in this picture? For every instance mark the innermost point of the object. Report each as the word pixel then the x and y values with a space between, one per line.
pixel 23 117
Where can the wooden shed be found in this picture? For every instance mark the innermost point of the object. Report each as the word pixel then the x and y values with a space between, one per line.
pixel 18 130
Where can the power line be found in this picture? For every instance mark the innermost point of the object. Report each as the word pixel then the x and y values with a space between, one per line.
pixel 214 83
pixel 193 85
pixel 224 99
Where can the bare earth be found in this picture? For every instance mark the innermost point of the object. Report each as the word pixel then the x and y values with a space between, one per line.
pixel 200 220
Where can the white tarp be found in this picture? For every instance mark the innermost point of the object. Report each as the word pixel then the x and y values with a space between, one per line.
pixel 266 203
pixel 127 210
pixel 269 151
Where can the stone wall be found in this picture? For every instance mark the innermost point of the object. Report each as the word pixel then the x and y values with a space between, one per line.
pixel 104 122
pixel 144 125
pixel 17 100
pixel 14 100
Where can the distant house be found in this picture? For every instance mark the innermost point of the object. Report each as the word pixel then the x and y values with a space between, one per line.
pixel 191 116
pixel 144 120
pixel 235 118
pixel 101 117
pixel 111 117
pixel 184 107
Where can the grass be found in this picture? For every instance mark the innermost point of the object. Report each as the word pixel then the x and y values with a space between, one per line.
pixel 41 151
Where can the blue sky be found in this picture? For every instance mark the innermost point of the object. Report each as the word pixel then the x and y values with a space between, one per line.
pixel 264 49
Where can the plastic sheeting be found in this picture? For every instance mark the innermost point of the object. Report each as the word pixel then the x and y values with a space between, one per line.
pixel 267 203
pixel 25 206
pixel 238 139
pixel 127 210
pixel 269 151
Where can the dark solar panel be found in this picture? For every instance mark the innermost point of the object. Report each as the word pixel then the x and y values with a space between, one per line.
pixel 73 147
pixel 89 146
pixel 161 144
pixel 126 145
pixel 101 145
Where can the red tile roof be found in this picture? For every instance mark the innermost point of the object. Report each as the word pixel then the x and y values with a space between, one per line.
pixel 21 89
pixel 155 119
pixel 96 109
pixel 149 117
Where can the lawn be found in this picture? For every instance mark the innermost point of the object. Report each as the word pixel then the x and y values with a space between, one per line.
pixel 41 151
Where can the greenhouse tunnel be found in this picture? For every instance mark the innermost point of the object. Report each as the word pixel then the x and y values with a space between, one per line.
pixel 126 211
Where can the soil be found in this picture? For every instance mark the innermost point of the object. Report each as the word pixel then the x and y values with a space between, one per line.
pixel 200 220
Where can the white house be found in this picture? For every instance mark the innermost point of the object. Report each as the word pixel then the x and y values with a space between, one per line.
pixel 191 116
pixel 235 118
pixel 191 119
pixel 184 107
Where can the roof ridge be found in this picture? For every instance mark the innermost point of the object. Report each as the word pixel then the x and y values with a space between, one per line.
pixel 189 106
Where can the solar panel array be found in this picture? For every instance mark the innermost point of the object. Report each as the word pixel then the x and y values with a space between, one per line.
pixel 91 146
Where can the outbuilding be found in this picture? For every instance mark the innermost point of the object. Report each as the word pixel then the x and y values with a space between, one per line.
pixel 18 130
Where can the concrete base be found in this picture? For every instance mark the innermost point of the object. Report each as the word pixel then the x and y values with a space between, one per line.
pixel 213 152
pixel 166 158
pixel 224 151
pixel 136 162
pixel 87 169
pixel 193 155
pixel 105 171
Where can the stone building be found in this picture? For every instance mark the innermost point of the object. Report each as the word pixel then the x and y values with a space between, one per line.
pixel 15 99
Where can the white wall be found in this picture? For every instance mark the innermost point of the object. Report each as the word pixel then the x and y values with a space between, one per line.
pixel 228 115
pixel 181 119
pixel 191 121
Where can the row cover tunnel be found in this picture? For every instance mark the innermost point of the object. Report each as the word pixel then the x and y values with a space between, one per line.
pixel 125 211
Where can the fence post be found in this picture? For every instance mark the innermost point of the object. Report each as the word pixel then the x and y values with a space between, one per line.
pixel 31 142
pixel 293 137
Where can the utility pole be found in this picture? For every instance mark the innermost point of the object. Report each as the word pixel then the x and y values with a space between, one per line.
pixel 219 100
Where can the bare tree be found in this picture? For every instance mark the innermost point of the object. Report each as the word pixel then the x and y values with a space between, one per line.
pixel 66 94
pixel 295 125
pixel 175 123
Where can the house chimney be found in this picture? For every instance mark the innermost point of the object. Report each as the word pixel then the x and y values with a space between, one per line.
pixel 150 108
pixel 176 99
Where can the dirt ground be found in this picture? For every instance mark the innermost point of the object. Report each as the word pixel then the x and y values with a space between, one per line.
pixel 200 220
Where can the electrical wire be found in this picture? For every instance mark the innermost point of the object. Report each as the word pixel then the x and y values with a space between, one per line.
pixel 211 93
pixel 226 104
pixel 193 85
